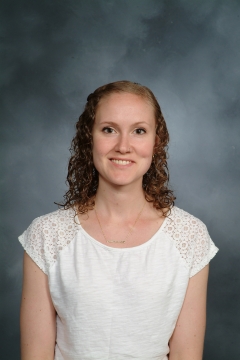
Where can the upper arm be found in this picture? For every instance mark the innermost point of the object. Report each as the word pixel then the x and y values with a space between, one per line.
pixel 37 316
pixel 187 340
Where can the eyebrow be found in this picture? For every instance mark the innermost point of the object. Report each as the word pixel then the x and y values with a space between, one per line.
pixel 115 124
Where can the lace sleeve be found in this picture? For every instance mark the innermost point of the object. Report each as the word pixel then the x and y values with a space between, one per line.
pixel 32 241
pixel 47 236
pixel 204 248
pixel 191 238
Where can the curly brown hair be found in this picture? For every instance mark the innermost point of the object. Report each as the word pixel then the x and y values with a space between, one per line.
pixel 82 176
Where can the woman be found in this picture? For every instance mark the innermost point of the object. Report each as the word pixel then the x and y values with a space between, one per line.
pixel 120 272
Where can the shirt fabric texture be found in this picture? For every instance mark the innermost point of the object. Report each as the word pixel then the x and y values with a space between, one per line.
pixel 111 303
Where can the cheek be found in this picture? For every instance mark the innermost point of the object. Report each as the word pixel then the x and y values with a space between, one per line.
pixel 147 154
pixel 146 151
pixel 100 150
pixel 96 155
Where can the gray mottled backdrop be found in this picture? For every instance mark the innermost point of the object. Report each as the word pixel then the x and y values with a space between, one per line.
pixel 54 53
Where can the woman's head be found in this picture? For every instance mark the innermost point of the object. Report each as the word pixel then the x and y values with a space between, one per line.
pixel 82 175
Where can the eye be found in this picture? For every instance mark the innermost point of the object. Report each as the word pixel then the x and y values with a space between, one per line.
pixel 140 131
pixel 108 130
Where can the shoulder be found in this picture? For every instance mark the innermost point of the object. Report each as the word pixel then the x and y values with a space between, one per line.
pixel 55 221
pixel 48 235
pixel 191 238
pixel 55 216
pixel 55 224
pixel 181 221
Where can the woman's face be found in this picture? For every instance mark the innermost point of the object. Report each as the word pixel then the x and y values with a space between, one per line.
pixel 123 138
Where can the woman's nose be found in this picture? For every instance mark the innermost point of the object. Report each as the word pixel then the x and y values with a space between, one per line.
pixel 123 144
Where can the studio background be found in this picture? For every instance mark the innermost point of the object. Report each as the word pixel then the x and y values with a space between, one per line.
pixel 54 53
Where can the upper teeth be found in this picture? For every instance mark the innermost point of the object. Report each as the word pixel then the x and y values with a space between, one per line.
pixel 121 162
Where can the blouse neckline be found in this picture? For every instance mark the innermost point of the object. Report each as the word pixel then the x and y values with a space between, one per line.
pixel 132 248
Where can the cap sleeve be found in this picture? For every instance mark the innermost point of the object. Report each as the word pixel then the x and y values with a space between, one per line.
pixel 32 241
pixel 48 235
pixel 203 248
pixel 191 239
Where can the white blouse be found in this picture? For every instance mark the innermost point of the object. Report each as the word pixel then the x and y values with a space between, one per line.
pixel 116 303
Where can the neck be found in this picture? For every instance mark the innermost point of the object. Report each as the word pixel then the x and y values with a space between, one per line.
pixel 119 202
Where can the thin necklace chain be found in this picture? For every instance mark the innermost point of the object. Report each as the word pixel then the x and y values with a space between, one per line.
pixel 128 234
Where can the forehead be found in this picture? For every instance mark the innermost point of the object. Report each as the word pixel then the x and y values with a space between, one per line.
pixel 120 102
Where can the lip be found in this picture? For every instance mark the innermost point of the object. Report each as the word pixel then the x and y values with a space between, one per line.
pixel 121 165
pixel 122 159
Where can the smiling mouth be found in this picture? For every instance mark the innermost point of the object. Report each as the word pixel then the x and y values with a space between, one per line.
pixel 121 162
